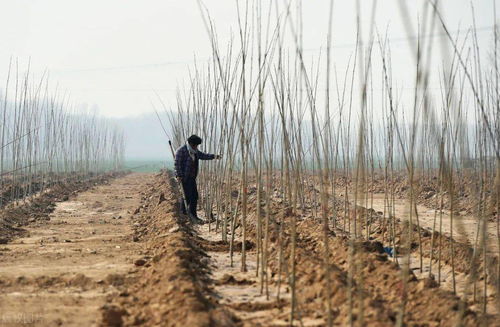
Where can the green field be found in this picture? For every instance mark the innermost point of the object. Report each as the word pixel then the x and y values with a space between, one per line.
pixel 147 166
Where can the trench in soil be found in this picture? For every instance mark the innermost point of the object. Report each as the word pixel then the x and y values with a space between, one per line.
pixel 239 296
pixel 464 230
pixel 240 292
pixel 464 226
pixel 62 272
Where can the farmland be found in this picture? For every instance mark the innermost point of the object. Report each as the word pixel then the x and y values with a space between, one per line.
pixel 341 198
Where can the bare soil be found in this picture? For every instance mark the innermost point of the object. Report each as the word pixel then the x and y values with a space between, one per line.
pixel 62 270
pixel 121 254
pixel 14 215
pixel 460 243
pixel 189 278
pixel 465 226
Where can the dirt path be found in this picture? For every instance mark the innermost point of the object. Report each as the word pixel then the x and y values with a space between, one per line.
pixel 464 227
pixel 240 293
pixel 63 271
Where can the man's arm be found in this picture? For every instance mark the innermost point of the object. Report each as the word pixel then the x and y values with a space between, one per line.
pixel 205 156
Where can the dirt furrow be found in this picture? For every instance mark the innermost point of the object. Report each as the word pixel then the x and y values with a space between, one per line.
pixel 61 272
pixel 380 231
pixel 240 292
pixel 172 287
pixel 465 227
pixel 186 277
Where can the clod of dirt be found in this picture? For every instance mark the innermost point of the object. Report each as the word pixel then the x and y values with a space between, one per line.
pixel 427 283
pixel 231 280
pixel 373 246
pixel 112 315
pixel 21 280
pixel 47 281
pixel 140 262
pixel 174 229
pixel 115 279
pixel 80 280
pixel 96 205
pixel 161 198
pixel 221 246
pixel 259 306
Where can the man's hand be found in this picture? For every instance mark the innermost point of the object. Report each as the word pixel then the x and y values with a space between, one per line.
pixel 179 179
pixel 218 156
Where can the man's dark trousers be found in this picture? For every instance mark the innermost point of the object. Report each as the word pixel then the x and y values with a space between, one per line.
pixel 191 193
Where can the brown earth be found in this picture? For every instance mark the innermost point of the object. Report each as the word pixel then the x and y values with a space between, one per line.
pixel 121 254
pixel 65 266
pixel 190 279
pixel 36 207
pixel 428 192
pixel 456 252
pixel 172 288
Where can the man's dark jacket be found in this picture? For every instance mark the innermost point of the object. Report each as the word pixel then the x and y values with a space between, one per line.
pixel 185 166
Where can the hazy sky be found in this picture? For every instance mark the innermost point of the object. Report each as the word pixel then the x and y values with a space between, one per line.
pixel 113 53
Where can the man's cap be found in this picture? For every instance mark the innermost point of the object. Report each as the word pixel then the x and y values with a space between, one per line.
pixel 194 140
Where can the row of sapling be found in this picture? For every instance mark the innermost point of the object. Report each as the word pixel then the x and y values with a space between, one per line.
pixel 260 104
pixel 44 141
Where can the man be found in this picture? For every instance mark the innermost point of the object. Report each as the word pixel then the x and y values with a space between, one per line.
pixel 186 170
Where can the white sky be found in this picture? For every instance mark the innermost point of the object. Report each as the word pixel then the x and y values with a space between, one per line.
pixel 111 54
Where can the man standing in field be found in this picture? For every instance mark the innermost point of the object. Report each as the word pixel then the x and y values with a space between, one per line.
pixel 186 170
